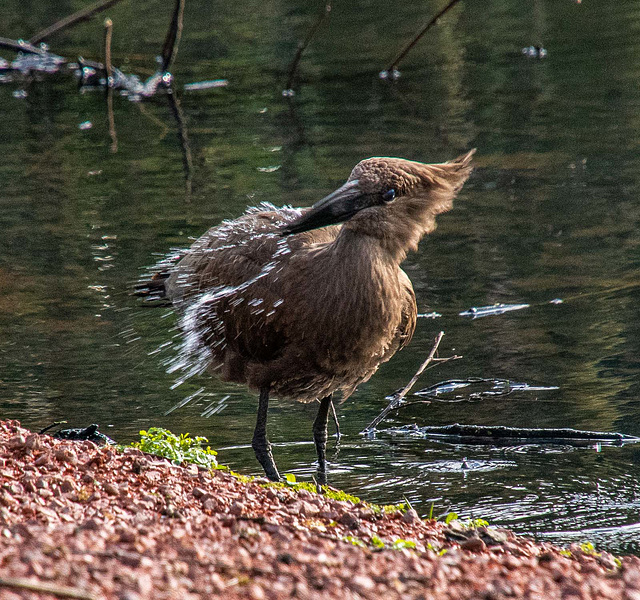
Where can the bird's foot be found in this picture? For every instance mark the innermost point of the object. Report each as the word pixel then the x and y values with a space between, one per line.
pixel 321 477
pixel 262 449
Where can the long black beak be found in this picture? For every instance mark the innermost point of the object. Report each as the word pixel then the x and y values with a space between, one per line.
pixel 335 208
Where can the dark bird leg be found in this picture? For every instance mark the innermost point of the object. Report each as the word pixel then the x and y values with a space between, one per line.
pixel 320 437
pixel 260 443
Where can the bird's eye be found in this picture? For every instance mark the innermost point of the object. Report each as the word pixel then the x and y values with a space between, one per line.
pixel 389 195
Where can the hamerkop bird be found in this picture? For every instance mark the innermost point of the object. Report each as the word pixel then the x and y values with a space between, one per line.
pixel 280 301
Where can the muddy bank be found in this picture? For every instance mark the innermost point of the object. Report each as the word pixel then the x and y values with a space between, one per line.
pixel 78 521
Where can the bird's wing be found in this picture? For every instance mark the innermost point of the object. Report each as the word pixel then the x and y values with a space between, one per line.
pixel 228 254
pixel 234 272
pixel 407 326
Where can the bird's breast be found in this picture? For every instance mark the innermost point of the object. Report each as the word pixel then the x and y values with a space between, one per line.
pixel 351 312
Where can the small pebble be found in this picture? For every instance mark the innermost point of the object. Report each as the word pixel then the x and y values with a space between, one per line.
pixel 411 516
pixel 473 544
pixel 66 455
pixel 198 492
pixel 237 508
pixel 111 489
pixel 42 460
pixel 349 521
pixel 16 442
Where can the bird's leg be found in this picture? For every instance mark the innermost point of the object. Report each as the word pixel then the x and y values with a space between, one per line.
pixel 260 443
pixel 320 437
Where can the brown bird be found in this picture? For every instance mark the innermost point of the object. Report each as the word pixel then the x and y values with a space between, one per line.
pixel 273 301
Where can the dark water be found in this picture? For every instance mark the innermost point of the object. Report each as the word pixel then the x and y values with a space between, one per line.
pixel 553 211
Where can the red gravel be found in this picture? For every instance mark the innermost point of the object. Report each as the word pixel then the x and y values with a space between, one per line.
pixel 86 522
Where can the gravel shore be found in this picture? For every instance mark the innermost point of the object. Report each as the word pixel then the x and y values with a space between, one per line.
pixel 81 521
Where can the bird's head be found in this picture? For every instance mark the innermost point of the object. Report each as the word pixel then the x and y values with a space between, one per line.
pixel 393 199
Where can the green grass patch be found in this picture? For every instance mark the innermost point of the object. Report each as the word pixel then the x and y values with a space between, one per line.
pixel 378 543
pixel 177 448
pixel 468 524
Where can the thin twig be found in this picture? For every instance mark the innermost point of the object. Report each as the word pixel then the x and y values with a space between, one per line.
pixel 49 427
pixel 398 399
pixel 171 42
pixel 407 388
pixel 111 119
pixel 21 46
pixel 84 14
pixel 302 46
pixel 394 63
pixel 45 588
pixel 108 31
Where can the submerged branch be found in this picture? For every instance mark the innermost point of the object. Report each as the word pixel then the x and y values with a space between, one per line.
pixel 482 434
pixel 77 17
pixel 171 42
pixel 396 61
pixel 302 46
pixel 398 399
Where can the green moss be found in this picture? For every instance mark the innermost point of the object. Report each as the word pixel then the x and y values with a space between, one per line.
pixel 389 509
pixel 438 551
pixel 589 548
pixel 354 541
pixel 399 544
pixel 327 492
pixel 468 524
pixel 378 543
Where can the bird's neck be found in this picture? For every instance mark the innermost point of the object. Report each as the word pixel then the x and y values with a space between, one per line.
pixel 376 242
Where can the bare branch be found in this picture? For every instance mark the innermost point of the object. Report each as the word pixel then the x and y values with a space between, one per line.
pixel 171 42
pixel 398 399
pixel 21 46
pixel 111 119
pixel 45 588
pixel 394 63
pixel 84 14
